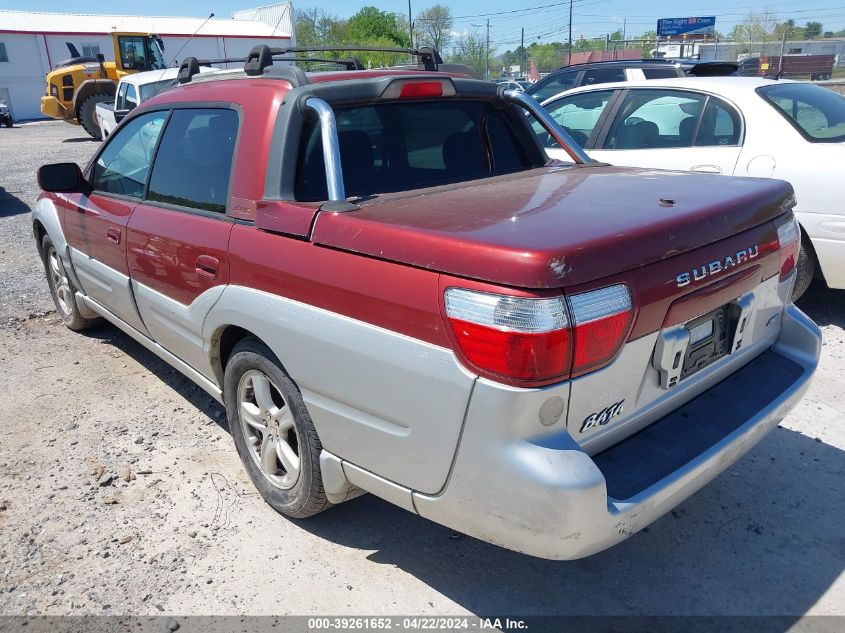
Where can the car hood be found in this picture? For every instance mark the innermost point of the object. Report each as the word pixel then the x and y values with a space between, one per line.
pixel 554 226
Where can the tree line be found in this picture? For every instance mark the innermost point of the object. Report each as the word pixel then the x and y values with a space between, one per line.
pixel 434 26
pixel 370 26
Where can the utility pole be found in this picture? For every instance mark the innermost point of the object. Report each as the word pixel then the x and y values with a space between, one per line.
pixel 569 50
pixel 487 54
pixel 624 32
pixel 522 53
pixel 410 24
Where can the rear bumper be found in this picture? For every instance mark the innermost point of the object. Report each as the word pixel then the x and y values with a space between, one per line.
pixel 549 498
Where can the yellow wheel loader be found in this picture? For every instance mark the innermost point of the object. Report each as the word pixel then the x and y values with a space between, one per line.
pixel 75 86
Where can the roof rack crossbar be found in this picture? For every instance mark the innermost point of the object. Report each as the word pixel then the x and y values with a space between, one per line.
pixel 262 57
pixel 429 58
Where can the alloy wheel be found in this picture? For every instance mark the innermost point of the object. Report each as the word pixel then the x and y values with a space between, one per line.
pixel 267 424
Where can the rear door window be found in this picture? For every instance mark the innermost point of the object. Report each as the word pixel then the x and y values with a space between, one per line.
pixel 402 146
pixel 656 119
pixel 123 165
pixel 720 125
pixel 553 85
pixel 603 76
pixel 578 114
pixel 660 73
pixel 194 162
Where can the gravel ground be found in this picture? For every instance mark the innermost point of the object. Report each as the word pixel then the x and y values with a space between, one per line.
pixel 121 492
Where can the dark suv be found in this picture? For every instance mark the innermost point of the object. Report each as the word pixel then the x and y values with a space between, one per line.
pixel 591 73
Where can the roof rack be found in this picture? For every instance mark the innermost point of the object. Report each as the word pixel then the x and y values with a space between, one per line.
pixel 262 57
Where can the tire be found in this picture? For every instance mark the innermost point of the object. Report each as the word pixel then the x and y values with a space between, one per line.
pixel 9 123
pixel 254 386
pixel 805 268
pixel 62 289
pixel 87 114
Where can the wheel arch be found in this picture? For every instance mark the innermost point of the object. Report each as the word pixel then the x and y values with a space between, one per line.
pixel 807 241
pixel 223 341
pixel 87 88
pixel 45 221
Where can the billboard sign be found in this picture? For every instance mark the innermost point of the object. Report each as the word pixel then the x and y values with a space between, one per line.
pixel 690 27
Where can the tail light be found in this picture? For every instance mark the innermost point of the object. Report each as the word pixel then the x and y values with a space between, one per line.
pixel 421 89
pixel 601 320
pixel 789 244
pixel 534 340
pixel 515 337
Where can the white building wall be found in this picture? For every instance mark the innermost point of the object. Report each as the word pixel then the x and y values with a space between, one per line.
pixel 23 75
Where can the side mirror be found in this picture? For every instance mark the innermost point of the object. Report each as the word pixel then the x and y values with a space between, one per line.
pixel 101 58
pixel 60 177
pixel 119 115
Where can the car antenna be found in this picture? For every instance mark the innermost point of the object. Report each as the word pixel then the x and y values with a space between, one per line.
pixel 188 41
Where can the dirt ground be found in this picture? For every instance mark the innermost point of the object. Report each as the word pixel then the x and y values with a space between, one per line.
pixel 186 534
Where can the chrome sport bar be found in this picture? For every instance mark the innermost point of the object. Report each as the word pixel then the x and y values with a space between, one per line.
pixel 331 148
pixel 552 127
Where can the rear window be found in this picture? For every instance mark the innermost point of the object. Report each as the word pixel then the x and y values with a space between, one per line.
pixel 816 112
pixel 401 146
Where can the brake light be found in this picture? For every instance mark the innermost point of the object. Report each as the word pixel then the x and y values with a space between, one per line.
pixel 601 324
pixel 515 337
pixel 789 245
pixel 535 340
pixel 421 89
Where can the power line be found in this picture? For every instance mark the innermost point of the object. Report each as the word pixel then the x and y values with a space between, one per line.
pixel 523 10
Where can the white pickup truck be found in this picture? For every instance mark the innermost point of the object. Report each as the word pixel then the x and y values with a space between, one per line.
pixel 132 91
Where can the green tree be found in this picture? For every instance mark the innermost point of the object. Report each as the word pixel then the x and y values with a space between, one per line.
pixel 434 27
pixel 812 29
pixel 470 49
pixel 647 42
pixel 757 30
pixel 371 25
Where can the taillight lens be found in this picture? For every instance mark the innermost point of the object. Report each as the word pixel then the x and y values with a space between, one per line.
pixel 529 339
pixel 421 89
pixel 789 244
pixel 601 323
pixel 516 337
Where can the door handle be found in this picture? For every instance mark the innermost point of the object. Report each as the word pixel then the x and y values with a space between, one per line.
pixel 113 235
pixel 706 169
pixel 207 266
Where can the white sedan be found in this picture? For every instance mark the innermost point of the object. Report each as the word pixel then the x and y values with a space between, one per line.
pixel 741 126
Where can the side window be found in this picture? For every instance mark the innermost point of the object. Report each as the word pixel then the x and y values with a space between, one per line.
pixel 556 84
pixel 120 102
pixel 132 52
pixel 720 125
pixel 603 76
pixel 661 73
pixel 655 119
pixel 123 165
pixel 578 115
pixel 4 56
pixel 194 161
pixel 90 50
pixel 131 97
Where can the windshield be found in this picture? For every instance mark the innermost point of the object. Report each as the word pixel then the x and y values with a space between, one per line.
pixel 816 112
pixel 148 91
pixel 156 58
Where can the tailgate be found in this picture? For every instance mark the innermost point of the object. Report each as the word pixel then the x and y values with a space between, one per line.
pixel 700 316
